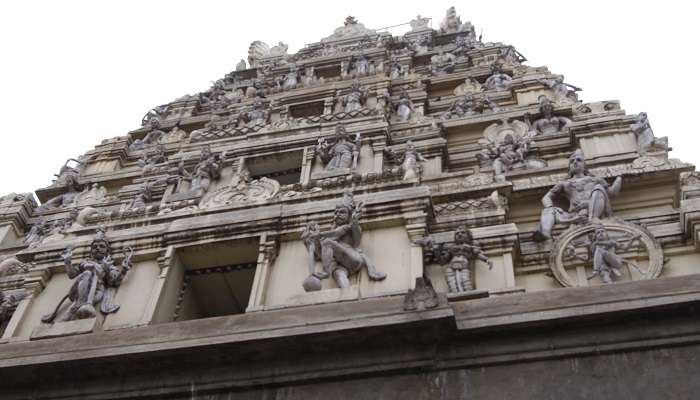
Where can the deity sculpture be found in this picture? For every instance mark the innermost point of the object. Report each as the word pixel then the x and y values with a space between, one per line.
pixel 37 232
pixel 588 196
pixel 452 23
pixel 419 24
pixel 208 169
pixel 360 66
pixel 152 158
pixel 601 248
pixel 157 112
pixel 467 105
pixel 63 199
pixel 442 63
pixel 8 304
pixel 548 124
pixel 241 66
pixel 563 92
pixel 257 115
pixel 409 160
pixel 463 45
pixel 645 135
pixel 152 137
pixel 470 85
pixel 290 80
pixel 404 107
pixel 354 100
pixel 215 94
pixel 310 78
pixel 506 155
pixel 343 153
pixel 67 170
pixel 95 280
pixel 457 256
pixel 395 70
pixel 498 80
pixel 421 43
pixel 145 194
pixel 510 57
pixel 339 248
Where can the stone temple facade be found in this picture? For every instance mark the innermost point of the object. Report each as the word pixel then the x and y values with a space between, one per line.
pixel 417 217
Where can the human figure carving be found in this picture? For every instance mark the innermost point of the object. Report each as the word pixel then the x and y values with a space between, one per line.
pixel 404 107
pixel 354 100
pixel 341 154
pixel 505 155
pixel 63 199
pixel 645 135
pixel 442 63
pixel 339 248
pixel 563 92
pixel 588 196
pixel 548 124
pixel 409 160
pixel 208 169
pixel 95 280
pixel 457 256
pixel 498 79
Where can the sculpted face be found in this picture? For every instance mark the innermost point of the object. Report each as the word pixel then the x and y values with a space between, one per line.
pixel 577 164
pixel 99 250
pixel 461 235
pixel 342 216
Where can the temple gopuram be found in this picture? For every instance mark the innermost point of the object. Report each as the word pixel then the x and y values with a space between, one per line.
pixel 424 216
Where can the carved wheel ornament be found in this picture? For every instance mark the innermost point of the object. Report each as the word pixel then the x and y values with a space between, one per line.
pixel 644 247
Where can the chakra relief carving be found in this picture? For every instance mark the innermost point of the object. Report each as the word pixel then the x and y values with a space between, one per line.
pixel 242 189
pixel 608 250
pixel 95 280
pixel 458 257
pixel 339 248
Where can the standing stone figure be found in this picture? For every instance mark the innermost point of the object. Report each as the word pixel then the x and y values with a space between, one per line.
pixel 457 256
pixel 342 154
pixel 409 161
pixel 498 80
pixel 291 78
pixel 404 107
pixel 645 136
pixel 339 248
pixel 95 280
pixel 8 304
pixel 589 198
pixel 354 100
pixel 395 70
pixel 257 115
pixel 208 169
pixel 548 124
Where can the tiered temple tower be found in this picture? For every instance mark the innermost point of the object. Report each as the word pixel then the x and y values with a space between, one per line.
pixel 424 216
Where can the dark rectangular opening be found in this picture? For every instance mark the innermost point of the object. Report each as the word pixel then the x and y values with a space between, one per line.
pixel 306 110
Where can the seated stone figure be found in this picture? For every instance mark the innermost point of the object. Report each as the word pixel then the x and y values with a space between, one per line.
pixel 339 248
pixel 94 281
pixel 606 262
pixel 548 124
pixel 588 196
pixel 151 137
pixel 442 63
pixel 498 79
pixel 645 135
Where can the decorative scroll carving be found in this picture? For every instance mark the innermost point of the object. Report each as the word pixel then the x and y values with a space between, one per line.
pixel 242 190
pixel 492 202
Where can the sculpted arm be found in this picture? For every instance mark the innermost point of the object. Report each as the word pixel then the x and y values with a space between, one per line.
pixel 614 189
pixel 548 199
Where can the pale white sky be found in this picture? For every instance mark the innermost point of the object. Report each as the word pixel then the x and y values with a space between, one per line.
pixel 75 72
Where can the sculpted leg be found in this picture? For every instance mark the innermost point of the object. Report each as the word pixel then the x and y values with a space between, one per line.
pixel 372 270
pixel 341 277
pixel 596 208
pixel 547 220
pixel 451 279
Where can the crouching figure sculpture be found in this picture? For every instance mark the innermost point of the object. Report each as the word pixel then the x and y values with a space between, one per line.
pixel 95 280
pixel 339 248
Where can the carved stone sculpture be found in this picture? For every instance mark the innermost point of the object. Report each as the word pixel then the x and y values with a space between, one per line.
pixel 8 305
pixel 409 160
pixel 291 78
pixel 506 148
pixel 343 153
pixel 457 257
pixel 404 107
pixel 215 95
pixel 351 28
pixel 259 52
pixel 510 57
pixel 419 24
pixel 420 43
pixel 157 113
pixel 645 135
pixel 95 280
pixel 548 124
pixel 563 92
pixel 354 100
pixel 588 196
pixel 467 105
pixel 442 63
pixel 152 158
pixel 422 297
pixel 470 85
pixel 463 45
pixel 68 172
pixel 339 248
pixel 241 66
pixel 310 78
pixel 257 115
pixel 10 265
pixel 498 80
pixel 453 23
pixel 145 194
pixel 207 170
pixel 395 70
pixel 63 199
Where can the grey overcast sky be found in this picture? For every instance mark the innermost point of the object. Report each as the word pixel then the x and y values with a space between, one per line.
pixel 75 72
